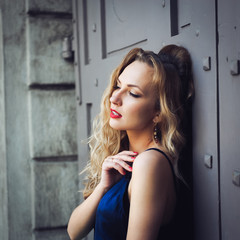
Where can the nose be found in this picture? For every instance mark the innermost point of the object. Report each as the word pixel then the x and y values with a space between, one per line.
pixel 116 98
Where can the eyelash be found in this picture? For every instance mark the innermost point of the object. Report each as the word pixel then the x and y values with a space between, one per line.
pixel 132 94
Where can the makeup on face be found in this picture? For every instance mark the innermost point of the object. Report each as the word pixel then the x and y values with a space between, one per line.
pixel 133 89
pixel 115 114
pixel 132 100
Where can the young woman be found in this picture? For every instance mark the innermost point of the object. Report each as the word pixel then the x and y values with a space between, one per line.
pixel 131 191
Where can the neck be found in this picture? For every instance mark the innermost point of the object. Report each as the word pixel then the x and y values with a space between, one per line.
pixel 140 141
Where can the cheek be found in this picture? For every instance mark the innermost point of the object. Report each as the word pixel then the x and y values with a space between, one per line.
pixel 143 112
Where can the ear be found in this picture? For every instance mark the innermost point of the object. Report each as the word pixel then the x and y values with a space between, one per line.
pixel 156 118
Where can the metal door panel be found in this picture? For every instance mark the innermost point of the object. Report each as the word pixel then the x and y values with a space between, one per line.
pixel 229 109
pixel 185 14
pixel 199 35
pixel 196 25
pixel 206 197
pixel 121 20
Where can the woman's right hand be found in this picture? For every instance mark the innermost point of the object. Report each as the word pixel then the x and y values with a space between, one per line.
pixel 115 166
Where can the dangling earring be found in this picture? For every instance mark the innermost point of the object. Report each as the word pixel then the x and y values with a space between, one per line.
pixel 155 134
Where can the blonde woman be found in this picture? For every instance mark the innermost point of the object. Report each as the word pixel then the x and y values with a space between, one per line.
pixel 131 192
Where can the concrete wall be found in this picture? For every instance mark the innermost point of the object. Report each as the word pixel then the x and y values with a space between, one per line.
pixel 3 164
pixel 38 140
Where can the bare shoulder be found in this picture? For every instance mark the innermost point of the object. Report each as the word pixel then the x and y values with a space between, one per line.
pixel 151 162
pixel 152 170
pixel 152 186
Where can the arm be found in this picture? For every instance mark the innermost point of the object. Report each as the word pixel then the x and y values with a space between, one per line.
pixel 83 217
pixel 152 196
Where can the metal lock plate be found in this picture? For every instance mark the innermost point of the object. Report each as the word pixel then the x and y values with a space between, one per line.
pixel 208 161
pixel 206 63
pixel 236 178
pixel 234 67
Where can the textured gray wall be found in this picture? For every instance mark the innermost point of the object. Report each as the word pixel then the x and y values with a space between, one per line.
pixel 38 163
pixel 3 164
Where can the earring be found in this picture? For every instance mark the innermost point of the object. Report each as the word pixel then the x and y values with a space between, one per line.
pixel 155 134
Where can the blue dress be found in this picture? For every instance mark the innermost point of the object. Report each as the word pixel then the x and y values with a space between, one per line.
pixel 113 211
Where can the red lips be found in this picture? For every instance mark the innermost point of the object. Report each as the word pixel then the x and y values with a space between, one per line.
pixel 115 114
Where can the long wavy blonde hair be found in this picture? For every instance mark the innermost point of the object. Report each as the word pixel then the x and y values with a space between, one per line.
pixel 171 92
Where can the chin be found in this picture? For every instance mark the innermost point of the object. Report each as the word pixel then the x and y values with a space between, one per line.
pixel 115 125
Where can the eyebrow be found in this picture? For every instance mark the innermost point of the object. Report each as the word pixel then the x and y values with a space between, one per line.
pixel 131 85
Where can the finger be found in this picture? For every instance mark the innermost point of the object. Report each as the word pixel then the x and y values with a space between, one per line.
pixel 110 164
pixel 126 158
pixel 122 164
pixel 131 153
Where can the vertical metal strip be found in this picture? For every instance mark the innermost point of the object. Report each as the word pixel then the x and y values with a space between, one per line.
pixel 174 17
pixel 76 43
pixel 85 31
pixel 89 119
pixel 103 30
pixel 218 118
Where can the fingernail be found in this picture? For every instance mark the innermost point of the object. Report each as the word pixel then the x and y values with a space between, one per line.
pixel 136 152
pixel 133 157
pixel 130 168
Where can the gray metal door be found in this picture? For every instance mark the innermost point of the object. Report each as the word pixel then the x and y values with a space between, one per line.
pixel 229 117
pixel 105 30
pixel 203 42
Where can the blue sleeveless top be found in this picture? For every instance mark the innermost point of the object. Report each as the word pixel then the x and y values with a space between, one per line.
pixel 112 214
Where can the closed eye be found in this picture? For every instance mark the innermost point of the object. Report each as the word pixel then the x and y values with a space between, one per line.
pixel 116 87
pixel 134 95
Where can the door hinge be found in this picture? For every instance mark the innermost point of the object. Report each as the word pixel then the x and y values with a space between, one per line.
pixel 67 48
